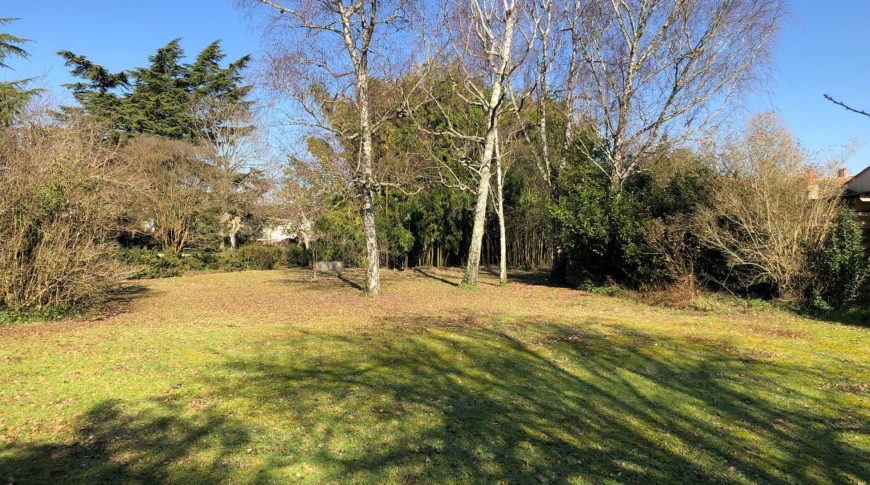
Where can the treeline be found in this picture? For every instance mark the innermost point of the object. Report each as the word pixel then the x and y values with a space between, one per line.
pixel 577 135
pixel 569 136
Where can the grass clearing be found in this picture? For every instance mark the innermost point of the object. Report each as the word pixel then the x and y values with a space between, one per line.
pixel 269 377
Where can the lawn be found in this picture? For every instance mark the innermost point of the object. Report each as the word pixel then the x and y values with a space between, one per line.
pixel 270 377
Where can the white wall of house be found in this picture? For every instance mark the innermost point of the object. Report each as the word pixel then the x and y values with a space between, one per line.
pixel 277 234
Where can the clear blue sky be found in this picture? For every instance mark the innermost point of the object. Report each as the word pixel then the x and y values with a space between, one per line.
pixel 824 47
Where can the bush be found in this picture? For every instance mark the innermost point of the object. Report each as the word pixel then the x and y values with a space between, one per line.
pixel 252 256
pixel 769 213
pixel 200 259
pixel 231 261
pixel 151 262
pixel 61 194
pixel 298 256
pixel 8 316
pixel 840 268
pixel 341 237
pixel 631 236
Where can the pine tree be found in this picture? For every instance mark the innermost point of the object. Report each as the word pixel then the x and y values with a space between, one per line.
pixel 159 99
pixel 14 95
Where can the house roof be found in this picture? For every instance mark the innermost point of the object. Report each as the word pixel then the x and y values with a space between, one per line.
pixel 859 184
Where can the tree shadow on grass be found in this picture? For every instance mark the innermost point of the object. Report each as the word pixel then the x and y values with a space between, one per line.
pixel 114 444
pixel 427 273
pixel 323 281
pixel 344 279
pixel 469 403
pixel 856 317
pixel 466 400
pixel 526 277
pixel 121 298
pixel 532 278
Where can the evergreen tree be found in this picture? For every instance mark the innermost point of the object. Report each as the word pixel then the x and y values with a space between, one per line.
pixel 161 98
pixel 14 95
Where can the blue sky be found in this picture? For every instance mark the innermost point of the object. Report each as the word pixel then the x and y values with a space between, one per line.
pixel 824 47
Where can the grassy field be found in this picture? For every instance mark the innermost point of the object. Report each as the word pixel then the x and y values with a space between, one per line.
pixel 269 377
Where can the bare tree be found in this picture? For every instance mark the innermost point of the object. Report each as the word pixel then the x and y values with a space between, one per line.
pixel 176 190
pixel 554 87
pixel 236 145
pixel 657 71
pixel 770 210
pixel 323 55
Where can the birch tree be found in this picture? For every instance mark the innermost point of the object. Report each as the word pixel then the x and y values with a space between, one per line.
pixel 555 74
pixel 656 72
pixel 498 200
pixel 322 54
pixel 482 54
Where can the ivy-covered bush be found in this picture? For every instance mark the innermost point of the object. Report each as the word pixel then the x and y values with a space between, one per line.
pixel 840 270
pixel 155 263
pixel 200 259
pixel 604 229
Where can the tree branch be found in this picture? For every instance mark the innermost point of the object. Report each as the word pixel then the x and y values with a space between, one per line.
pixel 844 105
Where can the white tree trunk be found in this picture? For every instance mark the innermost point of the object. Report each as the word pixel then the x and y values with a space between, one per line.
pixel 501 71
pixel 373 272
pixel 473 266
pixel 499 210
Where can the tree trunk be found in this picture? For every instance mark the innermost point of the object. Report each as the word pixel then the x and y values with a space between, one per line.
pixel 473 266
pixel 502 243
pixel 495 100
pixel 559 268
pixel 499 210
pixel 492 108
pixel 373 273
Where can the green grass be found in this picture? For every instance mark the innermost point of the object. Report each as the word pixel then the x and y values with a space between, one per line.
pixel 9 316
pixel 269 377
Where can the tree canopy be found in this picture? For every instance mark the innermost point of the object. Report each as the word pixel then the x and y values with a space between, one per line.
pixel 159 99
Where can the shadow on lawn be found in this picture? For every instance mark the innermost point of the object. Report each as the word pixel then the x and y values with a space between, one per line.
pixel 460 400
pixel 467 403
pixel 113 444
pixel 427 273
pixel 532 278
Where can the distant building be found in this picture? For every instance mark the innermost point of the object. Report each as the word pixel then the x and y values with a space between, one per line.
pixel 286 232
pixel 277 235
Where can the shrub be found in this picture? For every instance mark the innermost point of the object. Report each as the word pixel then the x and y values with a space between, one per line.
pixel 252 256
pixel 840 268
pixel 151 262
pixel 298 256
pixel 154 263
pixel 8 316
pixel 200 259
pixel 637 236
pixel 341 237
pixel 769 212
pixel 61 190
pixel 231 261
